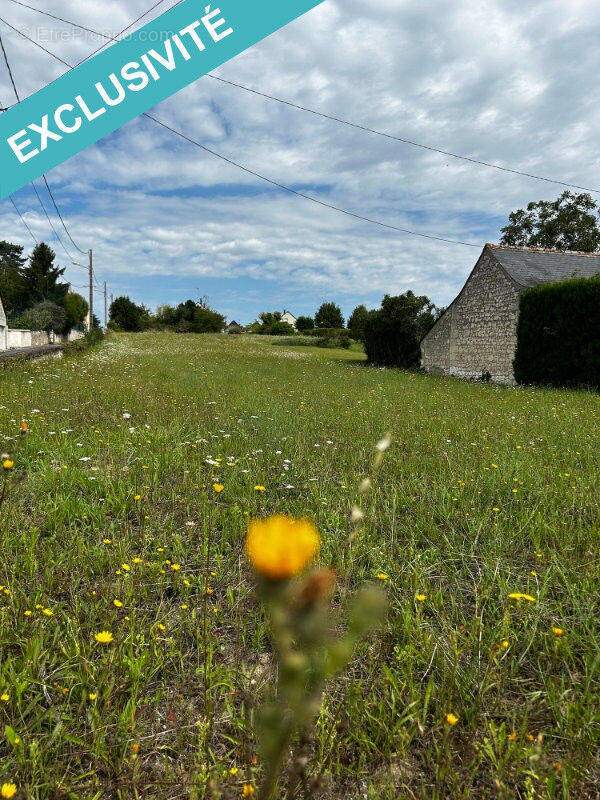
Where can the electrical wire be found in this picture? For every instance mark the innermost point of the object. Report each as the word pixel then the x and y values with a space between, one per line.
pixel 22 219
pixel 279 185
pixel 323 114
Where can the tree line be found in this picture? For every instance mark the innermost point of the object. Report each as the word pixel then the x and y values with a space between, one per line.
pixel 32 292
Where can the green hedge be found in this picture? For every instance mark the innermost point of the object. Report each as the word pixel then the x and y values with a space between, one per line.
pixel 558 334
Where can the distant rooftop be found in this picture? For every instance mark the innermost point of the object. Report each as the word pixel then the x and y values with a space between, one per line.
pixel 530 266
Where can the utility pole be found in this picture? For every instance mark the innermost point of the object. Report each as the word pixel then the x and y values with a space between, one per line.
pixel 91 301
pixel 105 314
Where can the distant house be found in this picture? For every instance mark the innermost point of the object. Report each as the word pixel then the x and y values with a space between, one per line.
pixel 3 328
pixel 233 327
pixel 288 317
pixel 477 335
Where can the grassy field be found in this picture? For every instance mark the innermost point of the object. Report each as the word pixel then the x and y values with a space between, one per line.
pixel 484 492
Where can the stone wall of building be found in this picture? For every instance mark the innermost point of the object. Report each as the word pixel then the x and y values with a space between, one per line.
pixel 478 333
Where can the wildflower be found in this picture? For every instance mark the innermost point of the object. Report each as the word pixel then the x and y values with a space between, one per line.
pixel 233 771
pixel 125 567
pixel 520 596
pixel 175 567
pixel 280 547
pixel 451 719
pixel 104 637
pixel 92 696
pixel 48 612
pixel 381 576
pixel 24 427
pixel 512 736
pixel 495 509
pixel 247 790
pixel 5 697
pixel 137 560
pixel 135 748
pixel 137 498
pixel 7 464
pixel 505 643
pixel 259 489
pixel 420 598
pixel 117 604
pixel 8 790
pixel 28 613
pixel 218 487
pixel 107 541
pixel 184 607
pixel 558 631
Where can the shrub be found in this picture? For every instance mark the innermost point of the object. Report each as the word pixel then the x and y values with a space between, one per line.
pixel 393 334
pixel 558 334
pixel 45 316
pixel 357 321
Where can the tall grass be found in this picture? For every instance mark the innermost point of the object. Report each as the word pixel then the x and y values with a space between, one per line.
pixel 485 492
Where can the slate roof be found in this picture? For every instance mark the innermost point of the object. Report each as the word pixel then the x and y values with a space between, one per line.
pixel 530 266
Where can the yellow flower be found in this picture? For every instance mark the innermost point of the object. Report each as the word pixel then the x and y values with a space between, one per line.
pixel 126 567
pixel 5 697
pixel 92 696
pixel 107 541
pixel 117 604
pixel 8 464
pixel 137 560
pixel 512 736
pixel 259 489
pixel 558 631
pixel 8 790
pixel 184 607
pixel 104 637
pixel 48 612
pixel 24 427
pixel 28 613
pixel 505 643
pixel 175 567
pixel 233 771
pixel 382 576
pixel 420 598
pixel 520 596
pixel 451 719
pixel 280 547
pixel 137 498
pixel 247 790
pixel 218 487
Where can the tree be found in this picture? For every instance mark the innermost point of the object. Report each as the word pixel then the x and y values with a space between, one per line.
pixel 568 223
pixel 45 316
pixel 126 315
pixel 329 316
pixel 190 317
pixel 42 277
pixel 356 323
pixel 13 290
pixel 393 334
pixel 76 310
pixel 305 324
pixel 271 324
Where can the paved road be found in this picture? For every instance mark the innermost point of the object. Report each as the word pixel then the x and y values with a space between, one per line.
pixel 25 353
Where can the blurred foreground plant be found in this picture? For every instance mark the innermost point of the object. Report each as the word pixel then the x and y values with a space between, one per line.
pixel 306 647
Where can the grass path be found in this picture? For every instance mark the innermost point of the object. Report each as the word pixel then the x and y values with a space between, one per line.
pixel 486 491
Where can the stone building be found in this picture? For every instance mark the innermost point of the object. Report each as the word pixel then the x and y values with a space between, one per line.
pixel 477 335
pixel 3 328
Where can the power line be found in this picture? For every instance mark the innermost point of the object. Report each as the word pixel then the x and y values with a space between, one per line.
pixel 7 62
pixel 22 219
pixel 49 220
pixel 282 186
pixel 323 114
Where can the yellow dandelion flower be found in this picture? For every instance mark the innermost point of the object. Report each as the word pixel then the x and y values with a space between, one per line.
pixel 184 607
pixel 125 567
pixel 233 771
pixel 137 498
pixel 104 637
pixel 5 697
pixel 117 604
pixel 512 736
pixel 451 719
pixel 520 596
pixel 558 631
pixel 259 489
pixel 137 560
pixel 92 696
pixel 420 598
pixel 505 643
pixel 107 541
pixel 8 464
pixel 8 790
pixel 161 627
pixel 175 567
pixel 247 790
pixel 280 547
pixel 47 612
pixel 218 487
pixel 28 613
pixel 381 576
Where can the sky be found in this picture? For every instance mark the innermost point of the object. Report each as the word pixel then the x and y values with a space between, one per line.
pixel 502 81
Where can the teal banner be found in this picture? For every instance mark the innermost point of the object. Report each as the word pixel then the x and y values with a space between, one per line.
pixel 119 84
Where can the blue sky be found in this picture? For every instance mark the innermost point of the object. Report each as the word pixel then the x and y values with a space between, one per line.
pixel 498 80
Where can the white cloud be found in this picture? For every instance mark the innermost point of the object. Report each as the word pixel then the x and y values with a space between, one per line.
pixel 500 80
